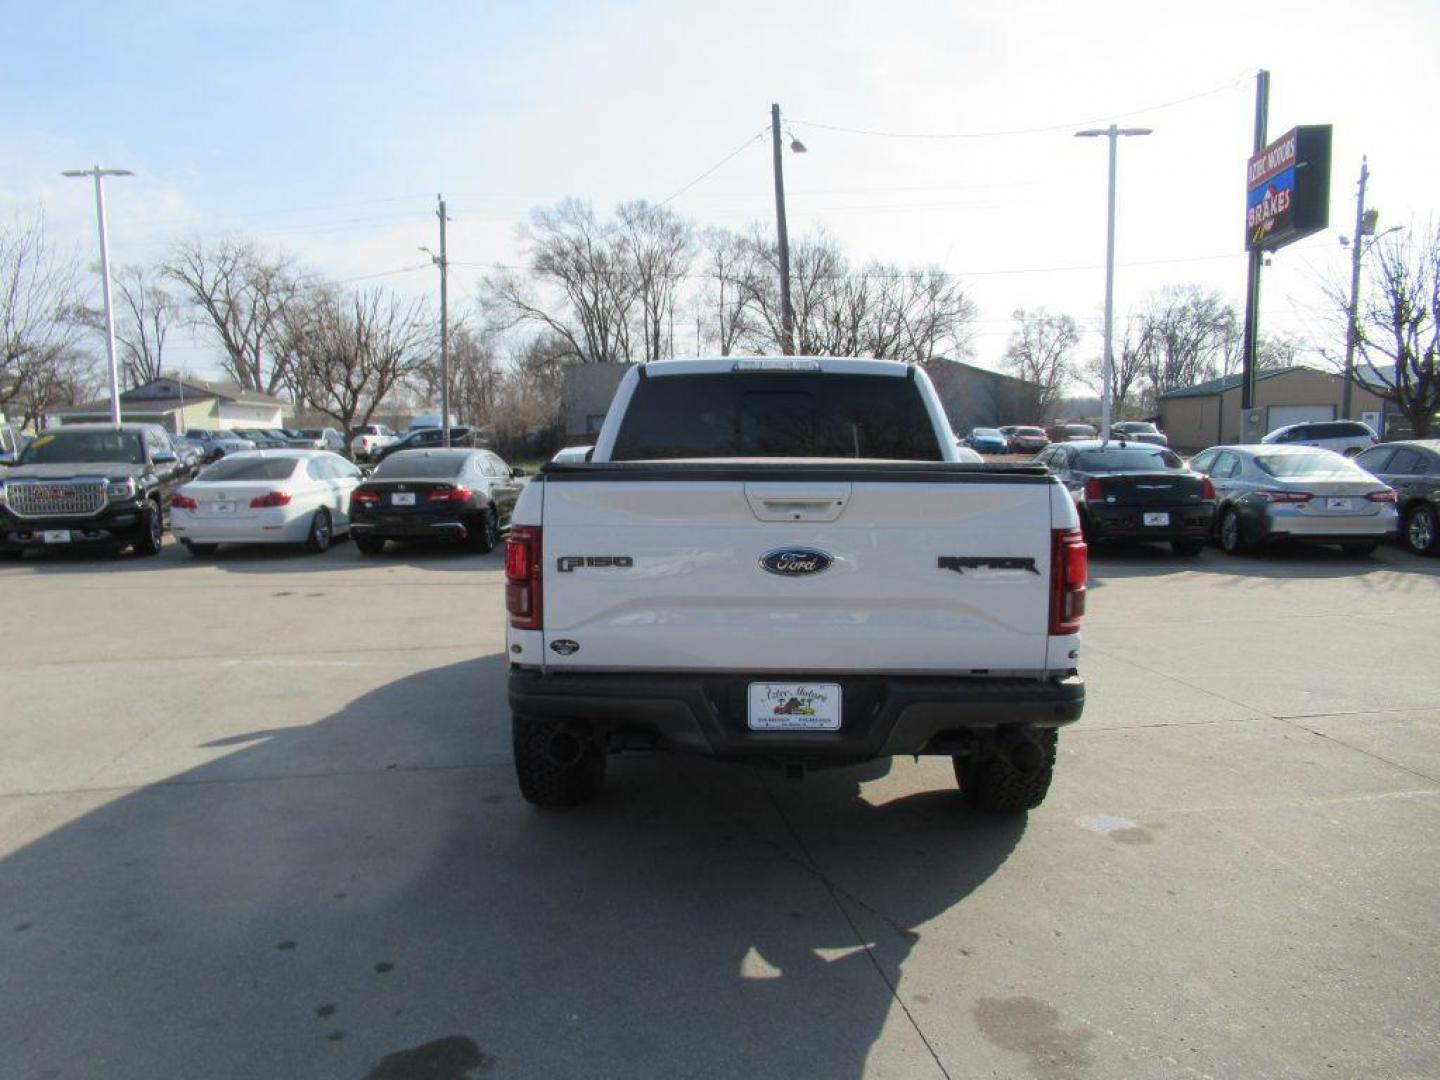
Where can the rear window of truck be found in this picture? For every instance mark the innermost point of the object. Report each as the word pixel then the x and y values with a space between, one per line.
pixel 779 414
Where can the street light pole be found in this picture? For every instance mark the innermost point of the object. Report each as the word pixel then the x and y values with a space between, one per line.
pixel 99 174
pixel 1352 326
pixel 787 314
pixel 443 264
pixel 1113 133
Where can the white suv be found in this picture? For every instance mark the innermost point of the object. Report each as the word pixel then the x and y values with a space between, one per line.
pixel 1346 437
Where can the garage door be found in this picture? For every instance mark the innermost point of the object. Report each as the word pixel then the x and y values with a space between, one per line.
pixel 1280 415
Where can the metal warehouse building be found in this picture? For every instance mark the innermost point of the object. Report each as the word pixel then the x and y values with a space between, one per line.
pixel 1207 414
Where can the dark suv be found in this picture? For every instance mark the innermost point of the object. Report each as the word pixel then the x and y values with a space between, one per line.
pixel 430 439
pixel 100 485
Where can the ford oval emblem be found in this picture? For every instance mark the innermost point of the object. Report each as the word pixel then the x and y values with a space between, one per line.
pixel 795 561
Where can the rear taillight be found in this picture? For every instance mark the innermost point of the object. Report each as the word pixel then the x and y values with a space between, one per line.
pixel 522 577
pixel 448 494
pixel 183 502
pixel 1069 569
pixel 1207 489
pixel 1092 490
pixel 269 499
pixel 364 496
pixel 1272 495
pixel 1385 495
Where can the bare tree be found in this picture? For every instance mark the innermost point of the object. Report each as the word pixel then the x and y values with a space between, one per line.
pixel 919 315
pixel 733 272
pixel 352 350
pixel 242 294
pixel 1040 352
pixel 1397 331
pixel 1184 332
pixel 656 249
pixel 578 287
pixel 41 363
pixel 144 314
pixel 1128 367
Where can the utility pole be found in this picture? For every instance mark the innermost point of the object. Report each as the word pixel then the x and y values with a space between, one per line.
pixel 1113 133
pixel 99 174
pixel 787 316
pixel 1352 327
pixel 1252 278
pixel 443 264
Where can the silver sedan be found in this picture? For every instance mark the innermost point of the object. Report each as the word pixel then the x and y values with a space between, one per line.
pixel 1267 493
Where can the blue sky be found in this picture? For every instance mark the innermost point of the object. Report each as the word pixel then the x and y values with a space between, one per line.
pixel 327 129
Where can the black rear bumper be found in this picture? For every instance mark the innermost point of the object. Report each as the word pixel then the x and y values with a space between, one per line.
pixel 880 716
pixel 1120 522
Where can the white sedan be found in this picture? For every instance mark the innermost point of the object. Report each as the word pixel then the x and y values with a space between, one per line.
pixel 275 497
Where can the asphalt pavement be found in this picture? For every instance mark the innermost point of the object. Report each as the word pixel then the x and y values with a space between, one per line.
pixel 257 819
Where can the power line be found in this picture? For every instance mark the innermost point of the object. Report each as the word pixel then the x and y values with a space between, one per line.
pixel 1021 131
pixel 752 139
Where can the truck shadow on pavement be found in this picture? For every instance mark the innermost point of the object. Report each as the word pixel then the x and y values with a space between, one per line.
pixel 366 896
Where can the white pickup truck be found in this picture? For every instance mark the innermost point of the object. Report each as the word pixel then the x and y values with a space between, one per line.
pixel 782 560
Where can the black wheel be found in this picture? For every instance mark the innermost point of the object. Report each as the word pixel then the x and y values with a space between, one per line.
pixel 556 765
pixel 487 535
pixel 321 532
pixel 1361 550
pixel 152 531
pixel 995 784
pixel 1187 547
pixel 200 550
pixel 369 545
pixel 1232 539
pixel 1419 531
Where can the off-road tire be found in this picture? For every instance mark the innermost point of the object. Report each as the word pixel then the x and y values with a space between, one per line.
pixel 152 531
pixel 369 545
pixel 322 532
pixel 1360 550
pixel 1231 542
pixel 997 787
pixel 1187 548
pixel 484 539
pixel 1421 532
pixel 200 551
pixel 543 781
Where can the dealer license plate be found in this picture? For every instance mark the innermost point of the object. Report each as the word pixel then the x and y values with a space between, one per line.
pixel 794 706
pixel 402 498
pixel 56 536
pixel 1157 519
pixel 1337 504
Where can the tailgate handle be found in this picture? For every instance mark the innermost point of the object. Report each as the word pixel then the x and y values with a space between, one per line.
pixel 797 502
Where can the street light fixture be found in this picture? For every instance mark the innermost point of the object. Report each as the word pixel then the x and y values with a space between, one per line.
pixel 1113 133
pixel 1365 222
pixel 99 174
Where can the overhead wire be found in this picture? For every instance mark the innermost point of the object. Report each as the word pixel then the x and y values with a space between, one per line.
pixel 723 161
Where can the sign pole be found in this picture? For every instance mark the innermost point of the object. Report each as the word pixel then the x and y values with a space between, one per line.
pixel 1252 282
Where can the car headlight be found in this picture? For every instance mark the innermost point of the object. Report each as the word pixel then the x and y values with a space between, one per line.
pixel 120 490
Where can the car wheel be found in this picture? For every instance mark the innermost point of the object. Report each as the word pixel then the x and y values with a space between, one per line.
pixel 487 535
pixel 1187 547
pixel 321 532
pixel 1352 451
pixel 1232 540
pixel 999 785
pixel 1420 529
pixel 152 531
pixel 200 550
pixel 370 545
pixel 1359 551
pixel 556 764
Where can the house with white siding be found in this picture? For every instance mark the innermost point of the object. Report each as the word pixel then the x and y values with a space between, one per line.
pixel 181 404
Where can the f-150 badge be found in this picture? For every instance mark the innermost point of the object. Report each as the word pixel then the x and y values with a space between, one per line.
pixel 568 564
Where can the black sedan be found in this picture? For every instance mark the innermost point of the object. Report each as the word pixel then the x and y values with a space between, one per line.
pixel 1135 491
pixel 455 495
pixel 429 439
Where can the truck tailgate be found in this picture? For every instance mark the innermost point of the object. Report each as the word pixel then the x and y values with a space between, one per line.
pixel 931 568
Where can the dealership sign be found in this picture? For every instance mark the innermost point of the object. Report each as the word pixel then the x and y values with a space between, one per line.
pixel 1287 188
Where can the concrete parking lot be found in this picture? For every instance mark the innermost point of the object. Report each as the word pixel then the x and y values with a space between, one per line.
pixel 257 819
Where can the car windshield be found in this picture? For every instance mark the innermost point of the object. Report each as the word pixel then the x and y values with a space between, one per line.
pixel 312 432
pixel 250 468
pixel 986 433
pixel 1125 459
pixel 421 465
pixel 1310 466
pixel 1137 428
pixel 72 447
pixel 1028 431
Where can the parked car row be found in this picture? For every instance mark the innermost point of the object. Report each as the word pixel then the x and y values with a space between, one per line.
pixel 113 487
